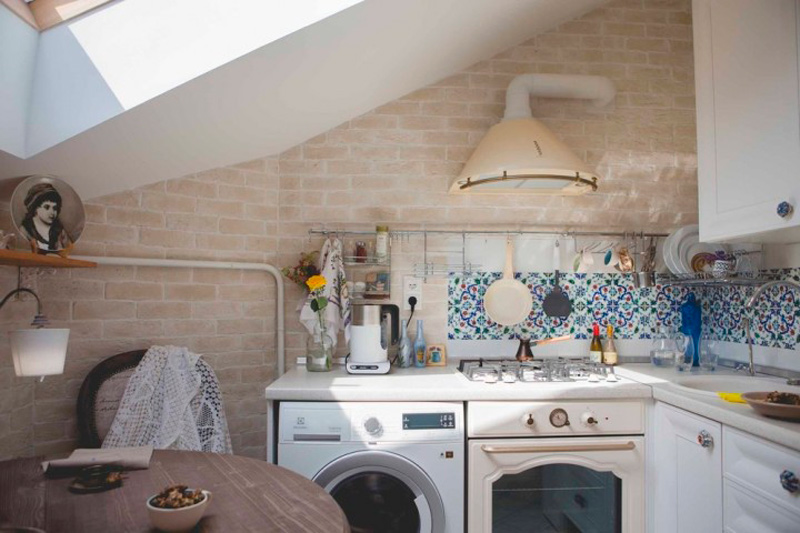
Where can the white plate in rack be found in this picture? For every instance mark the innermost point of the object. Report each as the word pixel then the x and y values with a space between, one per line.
pixel 670 251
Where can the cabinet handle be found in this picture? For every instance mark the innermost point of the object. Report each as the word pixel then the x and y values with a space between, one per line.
pixel 789 481
pixel 785 209
pixel 621 447
pixel 705 439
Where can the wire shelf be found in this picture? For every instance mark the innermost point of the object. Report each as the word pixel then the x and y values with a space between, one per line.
pixel 706 279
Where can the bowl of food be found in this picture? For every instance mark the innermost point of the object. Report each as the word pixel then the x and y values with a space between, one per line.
pixel 177 508
pixel 785 405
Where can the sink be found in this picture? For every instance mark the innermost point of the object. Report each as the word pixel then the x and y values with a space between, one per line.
pixel 710 385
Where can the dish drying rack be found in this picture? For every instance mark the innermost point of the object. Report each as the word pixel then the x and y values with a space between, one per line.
pixel 707 279
pixel 427 268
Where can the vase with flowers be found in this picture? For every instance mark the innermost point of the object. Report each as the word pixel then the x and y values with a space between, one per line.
pixel 319 356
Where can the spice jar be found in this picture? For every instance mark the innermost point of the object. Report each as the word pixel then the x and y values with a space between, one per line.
pixel 361 252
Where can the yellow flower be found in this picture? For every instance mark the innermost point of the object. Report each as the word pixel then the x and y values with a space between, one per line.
pixel 316 282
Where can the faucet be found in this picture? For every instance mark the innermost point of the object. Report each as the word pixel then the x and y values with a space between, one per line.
pixel 748 308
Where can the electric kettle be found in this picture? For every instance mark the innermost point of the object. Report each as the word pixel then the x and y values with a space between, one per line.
pixel 375 329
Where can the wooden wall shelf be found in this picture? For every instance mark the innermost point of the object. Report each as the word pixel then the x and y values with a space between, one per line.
pixel 28 259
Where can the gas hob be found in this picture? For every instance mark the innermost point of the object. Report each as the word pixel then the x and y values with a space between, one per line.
pixel 560 370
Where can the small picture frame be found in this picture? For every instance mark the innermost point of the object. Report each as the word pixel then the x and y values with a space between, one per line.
pixel 436 355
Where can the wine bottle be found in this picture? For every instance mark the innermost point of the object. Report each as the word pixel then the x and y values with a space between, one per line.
pixel 596 347
pixel 610 352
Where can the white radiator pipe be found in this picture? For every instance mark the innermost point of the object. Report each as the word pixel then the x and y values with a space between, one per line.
pixel 599 89
pixel 223 265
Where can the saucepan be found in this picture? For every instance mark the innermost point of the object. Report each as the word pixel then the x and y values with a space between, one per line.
pixel 508 301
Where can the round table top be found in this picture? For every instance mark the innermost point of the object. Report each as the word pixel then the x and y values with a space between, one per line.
pixel 249 495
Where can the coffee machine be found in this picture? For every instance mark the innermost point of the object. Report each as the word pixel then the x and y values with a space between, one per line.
pixel 374 331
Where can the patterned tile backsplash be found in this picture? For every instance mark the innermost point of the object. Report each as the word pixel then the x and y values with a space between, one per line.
pixel 634 313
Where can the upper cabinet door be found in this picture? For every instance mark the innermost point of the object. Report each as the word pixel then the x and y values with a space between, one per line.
pixel 747 72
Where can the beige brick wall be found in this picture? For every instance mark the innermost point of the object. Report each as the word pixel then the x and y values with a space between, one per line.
pixel 392 165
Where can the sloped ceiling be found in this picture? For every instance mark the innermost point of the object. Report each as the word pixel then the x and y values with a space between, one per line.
pixel 290 90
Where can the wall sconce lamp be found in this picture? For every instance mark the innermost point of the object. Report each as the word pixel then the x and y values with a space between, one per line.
pixel 37 351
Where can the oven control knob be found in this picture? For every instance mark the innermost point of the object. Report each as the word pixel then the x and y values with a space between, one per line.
pixel 528 421
pixel 559 418
pixel 373 426
pixel 589 419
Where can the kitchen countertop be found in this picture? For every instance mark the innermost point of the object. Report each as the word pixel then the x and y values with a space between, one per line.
pixel 737 415
pixel 640 381
pixel 434 384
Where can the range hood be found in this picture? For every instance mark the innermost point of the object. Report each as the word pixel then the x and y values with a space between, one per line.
pixel 520 155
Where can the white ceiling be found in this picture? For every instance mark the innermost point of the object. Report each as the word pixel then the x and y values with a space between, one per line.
pixel 290 90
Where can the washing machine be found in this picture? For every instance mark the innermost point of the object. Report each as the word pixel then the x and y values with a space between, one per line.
pixel 393 467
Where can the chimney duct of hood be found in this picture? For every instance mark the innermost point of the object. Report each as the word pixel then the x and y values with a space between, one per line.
pixel 520 155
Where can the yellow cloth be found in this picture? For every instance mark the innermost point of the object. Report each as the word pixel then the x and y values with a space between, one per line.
pixel 733 397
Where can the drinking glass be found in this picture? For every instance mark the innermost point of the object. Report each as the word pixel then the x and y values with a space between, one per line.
pixel 709 354
pixel 684 356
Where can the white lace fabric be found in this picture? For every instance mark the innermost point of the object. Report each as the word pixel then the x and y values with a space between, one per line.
pixel 172 401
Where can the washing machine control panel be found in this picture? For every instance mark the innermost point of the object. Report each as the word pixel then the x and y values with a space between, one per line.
pixel 412 421
pixel 371 422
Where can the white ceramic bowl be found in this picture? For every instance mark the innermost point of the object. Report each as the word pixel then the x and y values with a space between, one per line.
pixel 177 520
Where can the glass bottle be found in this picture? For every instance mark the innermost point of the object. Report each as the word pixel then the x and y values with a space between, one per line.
pixel 419 347
pixel 406 349
pixel 610 351
pixel 596 347
pixel 381 244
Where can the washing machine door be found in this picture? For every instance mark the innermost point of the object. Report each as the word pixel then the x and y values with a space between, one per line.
pixel 383 492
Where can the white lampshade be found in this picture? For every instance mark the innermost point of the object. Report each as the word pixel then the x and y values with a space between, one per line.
pixel 39 352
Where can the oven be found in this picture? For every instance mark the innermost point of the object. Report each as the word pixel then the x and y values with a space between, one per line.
pixel 567 466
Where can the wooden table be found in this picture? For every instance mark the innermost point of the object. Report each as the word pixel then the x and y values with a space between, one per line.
pixel 249 495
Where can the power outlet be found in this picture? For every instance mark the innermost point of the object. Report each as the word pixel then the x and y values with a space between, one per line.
pixel 412 286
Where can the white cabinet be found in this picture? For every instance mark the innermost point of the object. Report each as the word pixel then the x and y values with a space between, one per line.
pixel 687 473
pixel 748 118
pixel 748 513
pixel 755 498
pixel 738 483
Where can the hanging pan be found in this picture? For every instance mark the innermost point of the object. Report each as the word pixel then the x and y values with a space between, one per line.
pixel 557 303
pixel 508 301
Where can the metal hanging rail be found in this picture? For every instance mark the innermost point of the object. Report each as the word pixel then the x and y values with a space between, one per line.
pixel 426 268
pixel 425 232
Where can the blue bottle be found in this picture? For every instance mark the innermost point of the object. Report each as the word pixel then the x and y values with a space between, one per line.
pixel 419 347
pixel 691 324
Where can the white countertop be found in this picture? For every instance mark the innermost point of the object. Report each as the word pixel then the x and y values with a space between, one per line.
pixel 447 384
pixel 434 384
pixel 738 415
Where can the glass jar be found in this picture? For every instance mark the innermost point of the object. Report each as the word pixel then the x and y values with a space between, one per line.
pixel 663 349
pixel 319 353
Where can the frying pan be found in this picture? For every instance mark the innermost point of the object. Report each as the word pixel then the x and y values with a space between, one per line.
pixel 508 301
pixel 557 303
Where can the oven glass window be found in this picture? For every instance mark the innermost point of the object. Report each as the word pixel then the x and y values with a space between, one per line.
pixel 557 498
pixel 377 502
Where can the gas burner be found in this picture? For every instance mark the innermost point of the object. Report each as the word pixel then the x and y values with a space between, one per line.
pixel 563 370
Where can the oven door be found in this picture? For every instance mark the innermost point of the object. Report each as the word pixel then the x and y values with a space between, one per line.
pixel 559 485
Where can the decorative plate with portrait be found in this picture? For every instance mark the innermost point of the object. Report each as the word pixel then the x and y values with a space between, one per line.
pixel 48 213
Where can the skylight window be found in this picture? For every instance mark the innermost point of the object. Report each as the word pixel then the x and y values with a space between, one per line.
pixel 44 14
